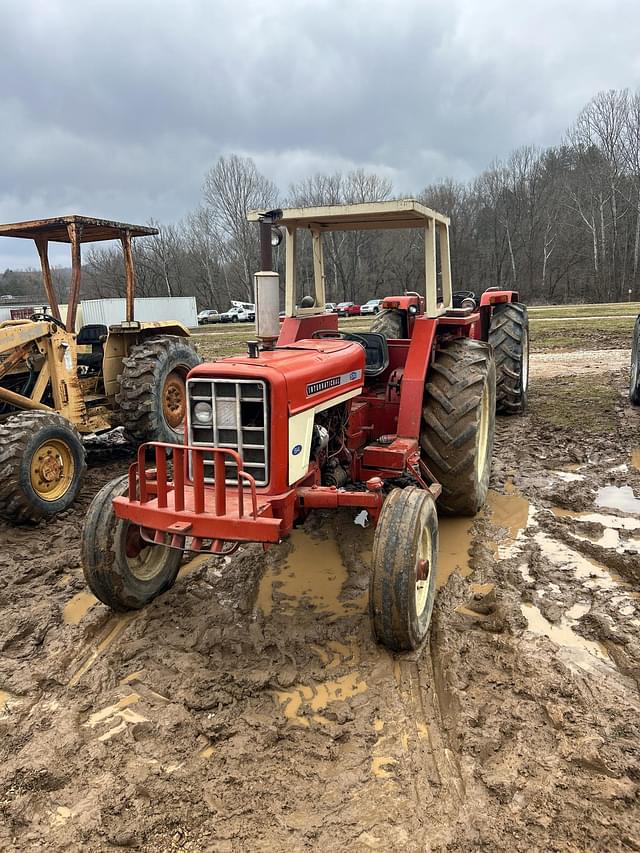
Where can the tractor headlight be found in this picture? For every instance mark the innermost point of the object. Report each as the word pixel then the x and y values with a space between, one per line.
pixel 203 413
pixel 413 309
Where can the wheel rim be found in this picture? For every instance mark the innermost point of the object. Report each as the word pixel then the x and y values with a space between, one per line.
pixel 52 469
pixel 483 433
pixel 424 568
pixel 143 560
pixel 174 399
pixel 525 360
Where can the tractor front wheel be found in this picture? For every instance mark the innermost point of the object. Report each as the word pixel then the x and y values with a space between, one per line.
pixel 634 382
pixel 153 392
pixel 509 337
pixel 120 568
pixel 459 423
pixel 403 578
pixel 42 464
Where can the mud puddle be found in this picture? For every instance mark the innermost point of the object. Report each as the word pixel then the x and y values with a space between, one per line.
pixel 314 573
pixel 581 651
pixel 577 588
pixel 621 498
pixel 313 576
pixel 509 513
pixel 75 609
pixel 613 522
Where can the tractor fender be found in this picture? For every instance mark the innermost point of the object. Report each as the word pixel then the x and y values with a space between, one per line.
pixel 163 327
pixel 488 300
pixel 492 297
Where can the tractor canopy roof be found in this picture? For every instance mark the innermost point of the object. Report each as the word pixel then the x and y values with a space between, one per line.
pixel 378 216
pixel 89 229
pixel 403 213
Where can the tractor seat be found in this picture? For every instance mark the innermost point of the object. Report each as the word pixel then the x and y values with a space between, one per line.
pixel 376 351
pixel 93 335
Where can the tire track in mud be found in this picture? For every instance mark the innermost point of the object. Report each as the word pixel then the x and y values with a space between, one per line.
pixel 116 625
pixel 424 698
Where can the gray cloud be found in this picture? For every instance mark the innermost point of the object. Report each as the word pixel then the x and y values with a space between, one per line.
pixel 118 109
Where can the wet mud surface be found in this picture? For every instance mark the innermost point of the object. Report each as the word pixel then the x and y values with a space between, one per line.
pixel 249 708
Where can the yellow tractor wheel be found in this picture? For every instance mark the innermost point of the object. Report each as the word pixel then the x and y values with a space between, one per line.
pixel 153 388
pixel 42 463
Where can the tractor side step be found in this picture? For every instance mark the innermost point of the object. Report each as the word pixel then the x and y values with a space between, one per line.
pixel 95 400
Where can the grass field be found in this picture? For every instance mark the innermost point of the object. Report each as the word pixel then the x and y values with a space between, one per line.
pixel 569 327
pixel 605 309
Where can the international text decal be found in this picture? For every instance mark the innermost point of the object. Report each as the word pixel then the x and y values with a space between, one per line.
pixel 333 382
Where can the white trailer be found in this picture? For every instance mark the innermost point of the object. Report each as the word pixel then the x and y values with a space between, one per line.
pixel 109 312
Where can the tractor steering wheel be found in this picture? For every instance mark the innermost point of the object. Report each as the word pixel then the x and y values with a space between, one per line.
pixel 41 315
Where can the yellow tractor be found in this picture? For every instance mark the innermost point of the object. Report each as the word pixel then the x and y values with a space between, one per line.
pixel 57 385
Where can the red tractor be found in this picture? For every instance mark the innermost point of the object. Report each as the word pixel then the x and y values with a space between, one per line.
pixel 395 421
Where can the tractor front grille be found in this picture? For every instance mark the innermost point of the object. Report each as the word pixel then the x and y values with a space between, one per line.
pixel 240 421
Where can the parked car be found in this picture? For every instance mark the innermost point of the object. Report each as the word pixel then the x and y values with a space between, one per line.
pixel 209 315
pixel 348 309
pixel 240 312
pixel 371 307
pixel 330 307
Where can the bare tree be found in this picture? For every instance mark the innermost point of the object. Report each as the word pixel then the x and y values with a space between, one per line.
pixel 231 189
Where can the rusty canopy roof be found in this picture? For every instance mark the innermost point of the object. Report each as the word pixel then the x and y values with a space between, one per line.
pixel 55 229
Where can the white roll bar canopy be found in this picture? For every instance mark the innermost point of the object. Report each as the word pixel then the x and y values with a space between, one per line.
pixel 379 216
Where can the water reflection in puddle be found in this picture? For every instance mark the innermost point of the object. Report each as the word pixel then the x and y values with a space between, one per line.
pixel 614 521
pixel 454 541
pixel 568 476
pixel 582 567
pixel 509 512
pixel 314 574
pixel 564 636
pixel 512 513
pixel 617 497
pixel 77 607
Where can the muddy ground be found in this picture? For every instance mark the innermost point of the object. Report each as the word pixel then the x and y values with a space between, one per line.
pixel 249 709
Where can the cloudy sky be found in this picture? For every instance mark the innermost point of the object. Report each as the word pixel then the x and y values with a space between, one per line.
pixel 118 108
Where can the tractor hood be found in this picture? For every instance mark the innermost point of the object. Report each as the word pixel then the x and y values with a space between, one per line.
pixel 314 371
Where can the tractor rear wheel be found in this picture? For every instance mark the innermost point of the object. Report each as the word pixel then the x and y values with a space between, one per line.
pixel 120 568
pixel 403 578
pixel 153 392
pixel 42 464
pixel 509 337
pixel 389 323
pixel 634 381
pixel 459 423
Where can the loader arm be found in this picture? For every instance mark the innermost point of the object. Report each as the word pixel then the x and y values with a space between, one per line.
pixel 16 334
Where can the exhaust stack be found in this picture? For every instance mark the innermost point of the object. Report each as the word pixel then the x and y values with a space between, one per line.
pixel 267 283
pixel 267 296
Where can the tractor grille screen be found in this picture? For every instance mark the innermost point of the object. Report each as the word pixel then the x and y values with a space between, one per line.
pixel 234 415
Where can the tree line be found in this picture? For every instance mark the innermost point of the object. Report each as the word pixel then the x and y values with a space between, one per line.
pixel 560 224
